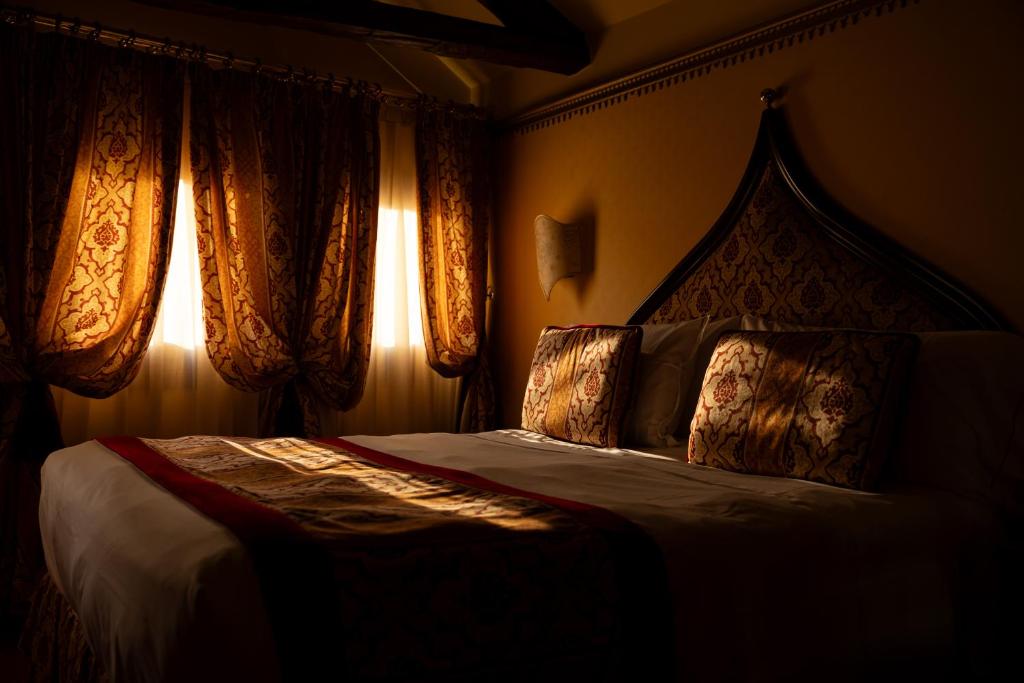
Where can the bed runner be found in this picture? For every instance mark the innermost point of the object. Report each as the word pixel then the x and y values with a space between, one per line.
pixel 384 568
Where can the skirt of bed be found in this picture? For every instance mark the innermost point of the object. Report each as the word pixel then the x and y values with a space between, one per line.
pixel 55 642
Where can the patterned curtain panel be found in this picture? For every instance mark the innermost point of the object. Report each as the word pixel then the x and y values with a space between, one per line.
pixel 452 157
pixel 89 166
pixel 285 179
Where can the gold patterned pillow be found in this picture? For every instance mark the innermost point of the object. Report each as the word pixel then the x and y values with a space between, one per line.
pixel 580 383
pixel 819 406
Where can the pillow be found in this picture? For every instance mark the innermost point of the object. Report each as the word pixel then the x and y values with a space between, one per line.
pixel 820 406
pixel 964 428
pixel 580 382
pixel 663 374
pixel 702 356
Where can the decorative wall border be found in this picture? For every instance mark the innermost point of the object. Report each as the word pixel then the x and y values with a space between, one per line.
pixel 751 44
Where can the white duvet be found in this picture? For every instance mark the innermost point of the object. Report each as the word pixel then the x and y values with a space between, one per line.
pixel 771 579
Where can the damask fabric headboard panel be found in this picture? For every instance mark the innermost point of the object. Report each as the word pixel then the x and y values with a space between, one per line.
pixel 784 251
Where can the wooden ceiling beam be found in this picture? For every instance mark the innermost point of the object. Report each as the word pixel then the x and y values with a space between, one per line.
pixel 535 35
pixel 539 16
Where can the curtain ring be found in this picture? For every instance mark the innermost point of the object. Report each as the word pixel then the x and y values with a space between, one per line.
pixel 95 34
pixel 166 47
pixel 331 81
pixel 57 21
pixel 290 75
pixel 127 41
pixel 76 26
pixel 229 61
pixel 257 68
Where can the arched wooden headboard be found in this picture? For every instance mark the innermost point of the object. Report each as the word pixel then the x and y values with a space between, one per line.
pixel 784 250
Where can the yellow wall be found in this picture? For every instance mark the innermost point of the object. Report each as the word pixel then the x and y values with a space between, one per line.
pixel 914 121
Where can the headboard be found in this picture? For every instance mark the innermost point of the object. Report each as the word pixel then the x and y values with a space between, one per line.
pixel 785 251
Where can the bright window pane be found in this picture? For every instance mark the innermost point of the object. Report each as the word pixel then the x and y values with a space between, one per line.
pixel 396 298
pixel 386 272
pixel 412 274
pixel 180 322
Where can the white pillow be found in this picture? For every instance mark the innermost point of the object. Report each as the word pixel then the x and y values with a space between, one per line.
pixel 964 427
pixel 663 374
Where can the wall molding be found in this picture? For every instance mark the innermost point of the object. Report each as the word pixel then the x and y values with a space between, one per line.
pixel 752 44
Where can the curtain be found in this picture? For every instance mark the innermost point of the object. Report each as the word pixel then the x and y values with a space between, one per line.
pixel 89 166
pixel 177 391
pixel 402 393
pixel 285 183
pixel 452 155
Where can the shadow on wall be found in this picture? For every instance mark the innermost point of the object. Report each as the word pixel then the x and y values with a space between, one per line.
pixel 585 218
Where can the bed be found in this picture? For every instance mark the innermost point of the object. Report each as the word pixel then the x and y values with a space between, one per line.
pixel 513 555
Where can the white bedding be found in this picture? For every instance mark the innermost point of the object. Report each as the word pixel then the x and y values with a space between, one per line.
pixel 770 578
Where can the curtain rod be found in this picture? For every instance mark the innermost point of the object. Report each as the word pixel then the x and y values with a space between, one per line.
pixel 200 53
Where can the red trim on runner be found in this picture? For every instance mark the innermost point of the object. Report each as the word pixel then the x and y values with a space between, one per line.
pixel 292 568
pixel 247 519
pixel 608 517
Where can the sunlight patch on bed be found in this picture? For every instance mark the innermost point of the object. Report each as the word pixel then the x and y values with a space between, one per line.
pixel 425 491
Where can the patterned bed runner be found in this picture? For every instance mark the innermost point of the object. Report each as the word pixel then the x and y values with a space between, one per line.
pixel 382 568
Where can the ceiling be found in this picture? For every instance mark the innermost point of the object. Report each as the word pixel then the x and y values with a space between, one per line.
pixel 623 35
pixel 620 35
pixel 589 15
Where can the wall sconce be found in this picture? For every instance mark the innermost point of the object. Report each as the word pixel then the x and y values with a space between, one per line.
pixel 558 251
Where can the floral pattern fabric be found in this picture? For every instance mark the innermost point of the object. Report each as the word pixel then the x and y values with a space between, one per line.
pixel 285 178
pixel 55 642
pixel 454 203
pixel 777 263
pixel 819 406
pixel 87 252
pixel 581 382
pixel 91 138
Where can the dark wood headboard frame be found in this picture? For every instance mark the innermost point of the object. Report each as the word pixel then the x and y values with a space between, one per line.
pixel 774 145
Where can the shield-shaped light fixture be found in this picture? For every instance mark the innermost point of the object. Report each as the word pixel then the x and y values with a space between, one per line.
pixel 558 251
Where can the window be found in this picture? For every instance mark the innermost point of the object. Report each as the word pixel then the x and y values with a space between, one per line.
pixel 180 321
pixel 396 306
pixel 396 302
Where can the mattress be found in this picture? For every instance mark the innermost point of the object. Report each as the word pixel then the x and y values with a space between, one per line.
pixel 769 578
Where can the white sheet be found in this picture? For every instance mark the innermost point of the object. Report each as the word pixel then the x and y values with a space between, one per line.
pixel 770 578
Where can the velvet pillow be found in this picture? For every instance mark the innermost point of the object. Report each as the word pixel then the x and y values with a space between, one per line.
pixel 663 374
pixel 709 337
pixel 820 406
pixel 580 383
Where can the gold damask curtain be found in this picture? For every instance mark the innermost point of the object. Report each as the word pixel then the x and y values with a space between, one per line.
pixel 88 171
pixel 453 161
pixel 285 180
